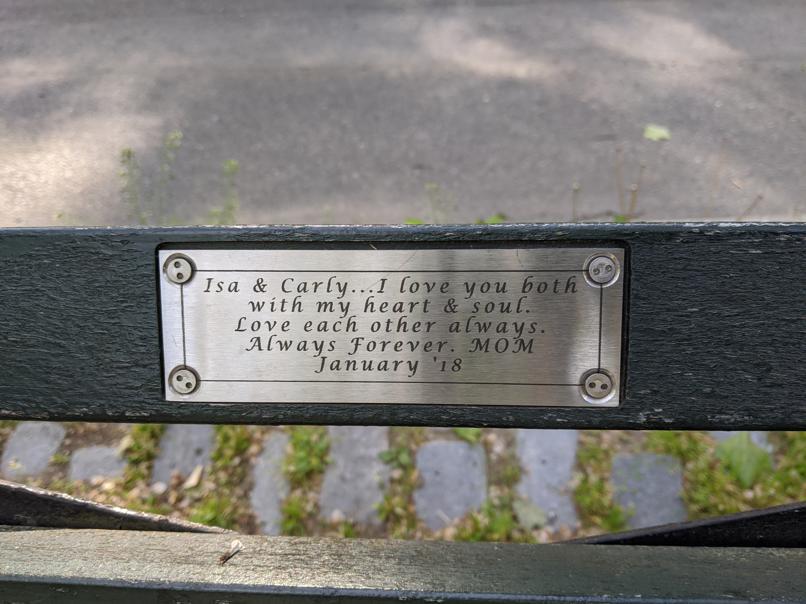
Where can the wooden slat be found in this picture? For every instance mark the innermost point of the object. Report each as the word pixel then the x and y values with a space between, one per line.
pixel 128 566
pixel 716 325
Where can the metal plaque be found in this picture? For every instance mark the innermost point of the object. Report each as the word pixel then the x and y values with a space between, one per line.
pixel 535 326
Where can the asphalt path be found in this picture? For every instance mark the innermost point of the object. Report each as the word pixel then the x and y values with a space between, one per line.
pixel 358 111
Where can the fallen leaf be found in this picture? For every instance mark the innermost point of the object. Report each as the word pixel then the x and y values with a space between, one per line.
pixel 529 515
pixel 195 477
pixel 654 132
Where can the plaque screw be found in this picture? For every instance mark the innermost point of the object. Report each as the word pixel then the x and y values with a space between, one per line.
pixel 183 380
pixel 596 386
pixel 178 268
pixel 601 270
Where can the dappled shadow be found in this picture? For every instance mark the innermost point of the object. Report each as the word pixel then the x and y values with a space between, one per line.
pixel 351 113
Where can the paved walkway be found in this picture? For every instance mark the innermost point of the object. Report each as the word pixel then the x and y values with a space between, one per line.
pixel 453 473
pixel 352 111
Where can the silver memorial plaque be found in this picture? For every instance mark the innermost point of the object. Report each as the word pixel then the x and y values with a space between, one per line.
pixel 537 326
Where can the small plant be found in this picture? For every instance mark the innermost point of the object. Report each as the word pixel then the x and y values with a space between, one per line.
pixel 398 457
pixel 498 518
pixel 744 460
pixel 309 449
pixel 60 459
pixel 214 510
pixel 224 502
pixel 397 508
pixel 226 214
pixel 593 494
pixel 304 465
pixel 140 451
pixel 130 188
pixel 151 205
pixel 497 218
pixel 709 490
pixel 470 435
pixel 170 146
pixel 295 513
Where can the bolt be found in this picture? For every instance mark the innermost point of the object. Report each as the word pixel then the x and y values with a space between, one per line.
pixel 601 270
pixel 183 380
pixel 178 268
pixel 596 386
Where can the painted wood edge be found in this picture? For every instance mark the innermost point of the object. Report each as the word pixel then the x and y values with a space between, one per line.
pixel 38 562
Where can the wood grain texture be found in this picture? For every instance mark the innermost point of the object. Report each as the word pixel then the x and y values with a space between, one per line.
pixel 715 332
pixel 121 566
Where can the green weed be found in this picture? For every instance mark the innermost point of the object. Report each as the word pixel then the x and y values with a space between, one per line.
pixel 743 459
pixel 304 466
pixel 296 509
pixel 593 494
pixel 142 449
pixel 497 218
pixel 227 213
pixel 397 508
pixel 470 435
pixel 495 521
pixel 309 453
pixel 151 205
pixel 227 505
pixel 716 480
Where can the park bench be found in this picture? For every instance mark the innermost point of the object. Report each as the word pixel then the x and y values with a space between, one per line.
pixel 681 326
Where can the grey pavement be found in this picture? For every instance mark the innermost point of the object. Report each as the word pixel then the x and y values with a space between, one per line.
pixel 547 459
pixel 29 449
pixel 96 461
pixel 356 477
pixel 757 438
pixel 182 448
pixel 346 111
pixel 649 488
pixel 454 481
pixel 270 486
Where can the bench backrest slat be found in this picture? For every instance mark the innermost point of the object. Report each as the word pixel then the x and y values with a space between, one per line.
pixel 714 337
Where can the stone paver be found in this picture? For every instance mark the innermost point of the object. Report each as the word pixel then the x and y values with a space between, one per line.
pixel 96 461
pixel 182 448
pixel 757 438
pixel 356 477
pixel 454 481
pixel 270 486
pixel 648 487
pixel 29 449
pixel 547 458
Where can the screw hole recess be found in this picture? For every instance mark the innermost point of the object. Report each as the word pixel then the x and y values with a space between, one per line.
pixel 178 269
pixel 597 387
pixel 184 380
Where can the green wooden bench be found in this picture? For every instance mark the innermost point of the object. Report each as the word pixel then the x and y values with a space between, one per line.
pixel 713 336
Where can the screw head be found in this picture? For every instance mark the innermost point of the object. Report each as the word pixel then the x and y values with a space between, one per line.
pixel 601 270
pixel 178 268
pixel 597 386
pixel 183 380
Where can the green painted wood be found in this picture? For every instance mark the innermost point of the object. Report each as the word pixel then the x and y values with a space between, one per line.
pixel 716 325
pixel 129 566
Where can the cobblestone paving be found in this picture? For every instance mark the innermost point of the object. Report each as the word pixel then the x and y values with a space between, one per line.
pixel 649 488
pixel 270 486
pixel 96 461
pixel 454 481
pixel 547 458
pixel 29 450
pixel 356 478
pixel 452 473
pixel 183 447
